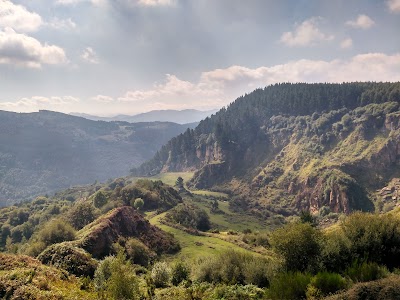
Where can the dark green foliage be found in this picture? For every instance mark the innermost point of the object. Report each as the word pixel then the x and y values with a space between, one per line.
pixel 161 274
pixel 180 272
pixel 99 199
pixel 336 255
pixel 189 215
pixel 307 217
pixel 65 256
pixel 81 214
pixel 328 283
pixel 374 238
pixel 138 253
pixel 138 203
pixel 299 245
pixel 56 231
pixel 232 267
pixel 155 195
pixel 289 286
pixel 366 271
pixel 115 279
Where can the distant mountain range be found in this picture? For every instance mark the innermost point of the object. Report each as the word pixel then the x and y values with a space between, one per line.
pixel 45 151
pixel 176 116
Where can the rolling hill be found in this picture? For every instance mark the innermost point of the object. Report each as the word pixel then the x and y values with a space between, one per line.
pixel 46 151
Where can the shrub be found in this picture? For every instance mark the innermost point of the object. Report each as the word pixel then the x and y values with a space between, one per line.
pixel 138 252
pixel 299 245
pixel 115 279
pixel 179 273
pixel 81 214
pixel 138 203
pixel 233 267
pixel 291 285
pixel 56 231
pixel 189 215
pixel 325 283
pixel 99 199
pixel 161 273
pixel 336 255
pixel 366 272
pixel 65 256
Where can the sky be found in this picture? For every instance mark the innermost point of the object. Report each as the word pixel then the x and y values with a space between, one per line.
pixel 108 57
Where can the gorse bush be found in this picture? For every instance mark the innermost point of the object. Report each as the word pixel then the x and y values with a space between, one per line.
pixel 56 231
pixel 180 272
pixel 325 283
pixel 189 215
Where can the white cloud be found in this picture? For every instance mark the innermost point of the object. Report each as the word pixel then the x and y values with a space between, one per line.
pixel 218 87
pixel 90 56
pixel 305 34
pixel 74 2
pixel 103 99
pixel 18 17
pixel 362 22
pixel 38 102
pixel 393 5
pixel 346 43
pixel 61 24
pixel 22 50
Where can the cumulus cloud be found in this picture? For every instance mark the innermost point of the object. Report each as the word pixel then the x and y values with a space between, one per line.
pixel 362 22
pixel 18 17
pixel 305 34
pixel 90 56
pixel 38 102
pixel 346 43
pixel 218 87
pixel 22 50
pixel 393 5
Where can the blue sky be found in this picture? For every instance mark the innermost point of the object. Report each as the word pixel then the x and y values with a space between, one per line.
pixel 108 57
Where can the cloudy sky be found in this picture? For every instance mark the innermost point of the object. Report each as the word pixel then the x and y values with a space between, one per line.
pixel 107 57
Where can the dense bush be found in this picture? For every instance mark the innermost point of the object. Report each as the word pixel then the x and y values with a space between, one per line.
pixel 65 256
pixel 161 274
pixel 374 238
pixel 366 272
pixel 325 283
pixel 189 215
pixel 289 286
pixel 180 272
pixel 233 267
pixel 56 231
pixel 115 279
pixel 138 253
pixel 81 214
pixel 300 246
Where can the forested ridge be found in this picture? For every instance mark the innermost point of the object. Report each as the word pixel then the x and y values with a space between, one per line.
pixel 239 124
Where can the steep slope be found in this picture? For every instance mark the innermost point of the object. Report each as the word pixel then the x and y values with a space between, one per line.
pixel 45 151
pixel 277 148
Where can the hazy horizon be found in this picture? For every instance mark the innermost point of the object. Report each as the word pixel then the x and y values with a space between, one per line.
pixel 105 58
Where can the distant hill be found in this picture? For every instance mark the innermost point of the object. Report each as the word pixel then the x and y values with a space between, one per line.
pixel 46 151
pixel 176 116
pixel 292 147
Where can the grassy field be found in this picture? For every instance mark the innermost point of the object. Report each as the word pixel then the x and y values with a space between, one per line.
pixel 195 246
pixel 210 193
pixel 169 177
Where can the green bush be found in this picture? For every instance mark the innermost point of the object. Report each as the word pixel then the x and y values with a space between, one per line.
pixel 99 199
pixel 366 271
pixel 180 272
pixel 189 215
pixel 56 231
pixel 300 246
pixel 115 279
pixel 325 283
pixel 289 286
pixel 138 253
pixel 161 274
pixel 231 267
pixel 81 214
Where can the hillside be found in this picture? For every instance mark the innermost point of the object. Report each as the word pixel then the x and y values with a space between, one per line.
pixel 46 151
pixel 177 116
pixel 290 147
